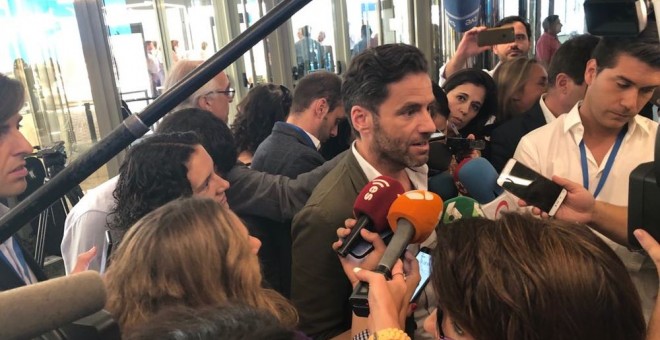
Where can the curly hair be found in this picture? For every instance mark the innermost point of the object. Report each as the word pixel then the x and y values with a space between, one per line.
pixel 264 105
pixel 153 174
pixel 209 262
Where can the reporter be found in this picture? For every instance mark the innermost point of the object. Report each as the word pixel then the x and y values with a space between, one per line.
pixel 190 252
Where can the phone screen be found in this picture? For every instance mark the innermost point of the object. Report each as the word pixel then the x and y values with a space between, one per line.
pixel 105 255
pixel 424 259
pixel 530 186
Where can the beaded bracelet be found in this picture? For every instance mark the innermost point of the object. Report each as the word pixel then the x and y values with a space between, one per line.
pixel 389 334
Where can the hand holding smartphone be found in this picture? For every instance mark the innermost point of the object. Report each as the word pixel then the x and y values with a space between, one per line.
pixel 496 36
pixel 424 259
pixel 531 186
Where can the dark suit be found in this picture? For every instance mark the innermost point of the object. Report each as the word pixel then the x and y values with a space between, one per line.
pixel 9 279
pixel 288 151
pixel 319 287
pixel 505 138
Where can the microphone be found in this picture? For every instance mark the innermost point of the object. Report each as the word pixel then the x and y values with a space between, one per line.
pixel 503 203
pixel 477 177
pixel 460 207
pixel 370 209
pixel 31 310
pixel 413 216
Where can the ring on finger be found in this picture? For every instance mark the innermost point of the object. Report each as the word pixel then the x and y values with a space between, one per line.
pixel 402 275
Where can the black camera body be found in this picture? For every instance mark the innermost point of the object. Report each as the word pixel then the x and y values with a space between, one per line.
pixel 462 147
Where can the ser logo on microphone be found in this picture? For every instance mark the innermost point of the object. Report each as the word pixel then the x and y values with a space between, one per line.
pixel 376 185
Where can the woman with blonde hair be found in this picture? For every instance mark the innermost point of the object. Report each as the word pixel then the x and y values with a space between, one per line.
pixel 190 252
pixel 520 83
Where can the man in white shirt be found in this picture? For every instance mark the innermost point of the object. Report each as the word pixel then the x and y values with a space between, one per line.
pixel 602 139
pixel 387 94
pixel 468 47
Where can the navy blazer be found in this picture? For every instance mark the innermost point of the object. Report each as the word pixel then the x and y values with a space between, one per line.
pixel 505 138
pixel 9 279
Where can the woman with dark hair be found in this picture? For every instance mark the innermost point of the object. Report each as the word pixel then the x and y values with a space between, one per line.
pixel 158 170
pixel 472 97
pixel 190 252
pixel 264 105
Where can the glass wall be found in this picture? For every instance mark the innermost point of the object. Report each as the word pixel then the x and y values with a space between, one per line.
pixel 314 37
pixel 40 46
pixel 363 24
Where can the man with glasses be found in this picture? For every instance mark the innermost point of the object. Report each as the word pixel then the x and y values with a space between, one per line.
pixel 213 96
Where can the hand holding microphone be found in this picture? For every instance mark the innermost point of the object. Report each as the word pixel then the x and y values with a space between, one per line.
pixel 370 209
pixel 413 216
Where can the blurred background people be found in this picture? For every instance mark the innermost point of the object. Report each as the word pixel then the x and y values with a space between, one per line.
pixel 548 43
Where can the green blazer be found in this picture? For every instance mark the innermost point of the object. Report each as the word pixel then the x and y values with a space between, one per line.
pixel 319 287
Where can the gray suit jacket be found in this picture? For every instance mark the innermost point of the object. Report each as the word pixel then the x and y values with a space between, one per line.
pixel 273 196
pixel 319 287
pixel 287 151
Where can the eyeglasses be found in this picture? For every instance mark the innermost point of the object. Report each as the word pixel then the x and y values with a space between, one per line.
pixel 439 317
pixel 229 92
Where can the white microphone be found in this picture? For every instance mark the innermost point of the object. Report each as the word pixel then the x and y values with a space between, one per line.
pixel 32 310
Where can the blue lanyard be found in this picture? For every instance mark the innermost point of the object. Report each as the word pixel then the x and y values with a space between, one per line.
pixel 24 271
pixel 608 164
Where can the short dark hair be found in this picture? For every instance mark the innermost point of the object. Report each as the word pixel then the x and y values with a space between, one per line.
pixel 571 58
pixel 370 73
pixel 212 132
pixel 153 173
pixel 12 97
pixel 264 105
pixel 520 277
pixel 644 47
pixel 488 107
pixel 232 322
pixel 547 22
pixel 516 18
pixel 441 105
pixel 315 86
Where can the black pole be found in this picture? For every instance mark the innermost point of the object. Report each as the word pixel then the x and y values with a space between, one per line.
pixel 136 125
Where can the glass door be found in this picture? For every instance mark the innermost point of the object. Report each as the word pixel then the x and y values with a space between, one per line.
pixel 315 38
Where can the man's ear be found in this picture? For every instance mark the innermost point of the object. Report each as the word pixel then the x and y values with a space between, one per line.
pixel 590 71
pixel 203 103
pixel 320 107
pixel 561 82
pixel 361 119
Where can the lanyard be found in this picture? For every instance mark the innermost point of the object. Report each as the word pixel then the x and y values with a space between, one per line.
pixel 608 164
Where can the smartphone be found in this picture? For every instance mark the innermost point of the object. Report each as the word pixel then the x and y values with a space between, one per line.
pixel 363 248
pixel 424 259
pixel 532 187
pixel 496 36
pixel 105 255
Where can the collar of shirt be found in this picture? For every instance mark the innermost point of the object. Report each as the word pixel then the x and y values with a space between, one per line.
pixel 418 176
pixel 549 116
pixel 316 141
pixel 573 123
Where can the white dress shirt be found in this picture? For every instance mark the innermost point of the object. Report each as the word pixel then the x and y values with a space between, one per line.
pixel 547 114
pixel 553 149
pixel 86 224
